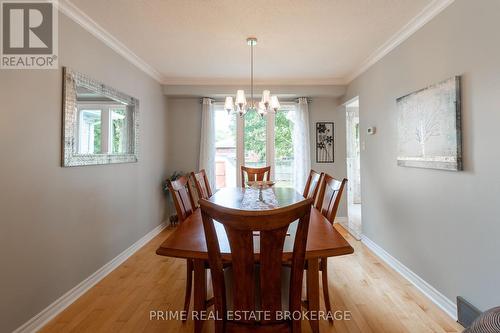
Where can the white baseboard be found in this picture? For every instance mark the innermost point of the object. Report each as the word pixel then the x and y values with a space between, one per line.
pixel 341 219
pixel 434 295
pixel 344 222
pixel 42 318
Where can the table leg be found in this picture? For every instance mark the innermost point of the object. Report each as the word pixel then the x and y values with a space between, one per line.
pixel 200 292
pixel 312 288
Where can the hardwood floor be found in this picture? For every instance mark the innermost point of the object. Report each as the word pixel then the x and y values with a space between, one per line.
pixel 378 298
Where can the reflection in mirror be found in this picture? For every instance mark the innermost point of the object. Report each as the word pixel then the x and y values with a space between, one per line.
pixel 100 124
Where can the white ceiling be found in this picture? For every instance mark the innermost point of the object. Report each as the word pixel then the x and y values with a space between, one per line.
pixel 300 41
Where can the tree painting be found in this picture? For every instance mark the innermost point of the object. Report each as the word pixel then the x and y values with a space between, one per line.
pixel 427 126
pixel 429 134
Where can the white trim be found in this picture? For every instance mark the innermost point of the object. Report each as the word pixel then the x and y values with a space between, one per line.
pixel 42 318
pixel 79 17
pixel 344 222
pixel 349 101
pixel 203 81
pixel 432 293
pixel 427 14
pixel 341 219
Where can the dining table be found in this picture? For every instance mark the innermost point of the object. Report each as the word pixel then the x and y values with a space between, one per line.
pixel 187 241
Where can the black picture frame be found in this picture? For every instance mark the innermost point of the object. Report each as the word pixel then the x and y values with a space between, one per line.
pixel 325 142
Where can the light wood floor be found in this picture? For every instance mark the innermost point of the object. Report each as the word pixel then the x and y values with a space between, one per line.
pixel 378 298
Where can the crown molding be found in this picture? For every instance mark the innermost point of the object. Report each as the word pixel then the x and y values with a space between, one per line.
pixel 179 81
pixel 428 13
pixel 82 19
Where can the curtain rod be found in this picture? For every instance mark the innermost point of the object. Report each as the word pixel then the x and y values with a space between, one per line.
pixel 221 100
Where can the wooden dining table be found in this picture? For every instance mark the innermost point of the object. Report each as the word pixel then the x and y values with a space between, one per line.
pixel 188 241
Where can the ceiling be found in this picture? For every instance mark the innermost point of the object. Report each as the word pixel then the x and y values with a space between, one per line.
pixel 300 41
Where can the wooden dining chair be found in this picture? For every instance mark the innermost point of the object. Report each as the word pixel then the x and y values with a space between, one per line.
pixel 329 196
pixel 242 293
pixel 330 193
pixel 202 185
pixel 311 189
pixel 255 174
pixel 184 207
pixel 182 197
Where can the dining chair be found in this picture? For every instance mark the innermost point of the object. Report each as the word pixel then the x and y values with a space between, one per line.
pixel 255 174
pixel 255 288
pixel 311 189
pixel 182 196
pixel 202 185
pixel 330 193
pixel 329 196
pixel 184 207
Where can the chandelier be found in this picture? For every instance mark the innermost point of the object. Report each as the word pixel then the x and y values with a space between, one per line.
pixel 239 105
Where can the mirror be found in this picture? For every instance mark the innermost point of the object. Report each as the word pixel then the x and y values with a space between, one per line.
pixel 100 124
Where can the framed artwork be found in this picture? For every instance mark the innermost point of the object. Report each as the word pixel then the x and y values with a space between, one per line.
pixel 325 142
pixel 429 127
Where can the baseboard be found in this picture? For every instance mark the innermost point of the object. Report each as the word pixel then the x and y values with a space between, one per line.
pixel 42 318
pixel 341 219
pixel 344 222
pixel 434 295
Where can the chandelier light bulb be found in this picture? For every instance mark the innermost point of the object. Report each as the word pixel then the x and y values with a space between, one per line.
pixel 240 97
pixel 275 104
pixel 229 104
pixel 266 98
pixel 262 109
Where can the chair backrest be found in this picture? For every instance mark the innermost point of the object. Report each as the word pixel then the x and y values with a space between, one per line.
pixel 272 226
pixel 312 185
pixel 329 196
pixel 182 197
pixel 255 174
pixel 202 185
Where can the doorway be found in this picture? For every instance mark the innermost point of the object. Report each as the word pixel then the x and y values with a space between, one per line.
pixel 353 223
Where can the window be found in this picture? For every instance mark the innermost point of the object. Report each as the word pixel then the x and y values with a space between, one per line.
pixel 89 131
pixel 225 149
pixel 118 137
pixel 254 141
pixel 102 129
pixel 283 147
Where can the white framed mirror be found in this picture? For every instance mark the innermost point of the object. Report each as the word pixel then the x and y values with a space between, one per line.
pixel 100 124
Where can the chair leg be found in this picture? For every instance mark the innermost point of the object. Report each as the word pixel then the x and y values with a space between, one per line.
pixel 326 295
pixel 189 283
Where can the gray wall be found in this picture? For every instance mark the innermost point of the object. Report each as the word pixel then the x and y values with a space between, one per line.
pixel 59 225
pixel 442 225
pixel 327 109
pixel 184 116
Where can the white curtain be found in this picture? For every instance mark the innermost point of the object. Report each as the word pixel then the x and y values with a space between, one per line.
pixel 301 145
pixel 207 143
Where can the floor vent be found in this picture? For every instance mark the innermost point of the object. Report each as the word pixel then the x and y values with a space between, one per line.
pixel 466 312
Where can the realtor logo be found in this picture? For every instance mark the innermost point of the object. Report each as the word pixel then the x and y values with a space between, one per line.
pixel 29 35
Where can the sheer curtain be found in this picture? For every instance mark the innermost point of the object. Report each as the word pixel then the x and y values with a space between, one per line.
pixel 207 142
pixel 301 145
